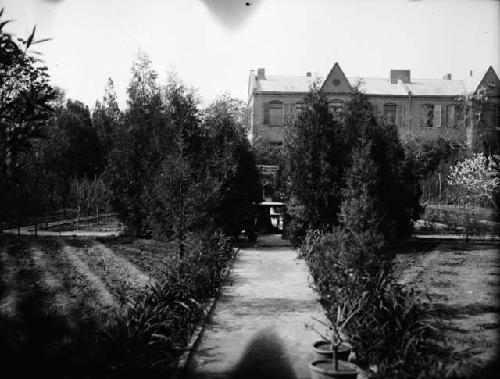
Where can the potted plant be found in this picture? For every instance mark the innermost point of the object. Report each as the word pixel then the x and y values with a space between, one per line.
pixel 325 348
pixel 336 367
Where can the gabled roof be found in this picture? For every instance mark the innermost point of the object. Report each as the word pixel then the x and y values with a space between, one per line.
pixel 336 81
pixel 378 86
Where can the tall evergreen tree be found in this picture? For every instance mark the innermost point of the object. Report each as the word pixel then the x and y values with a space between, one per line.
pixel 315 148
pixel 232 165
pixel 397 191
pixel 106 117
pixel 136 154
pixel 361 223
pixel 177 197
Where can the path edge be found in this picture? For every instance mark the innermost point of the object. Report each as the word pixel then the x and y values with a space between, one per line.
pixel 195 338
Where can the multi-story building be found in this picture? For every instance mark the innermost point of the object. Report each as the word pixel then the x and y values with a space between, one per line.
pixel 421 108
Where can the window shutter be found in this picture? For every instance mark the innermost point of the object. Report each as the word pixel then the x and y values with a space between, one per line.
pixel 399 115
pixel 437 116
pixel 266 113
pixel 288 111
pixel 444 115
pixel 451 116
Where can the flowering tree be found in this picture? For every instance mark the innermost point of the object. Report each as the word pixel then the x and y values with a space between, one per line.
pixel 473 178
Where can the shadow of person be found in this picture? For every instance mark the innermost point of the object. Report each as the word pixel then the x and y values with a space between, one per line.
pixel 264 358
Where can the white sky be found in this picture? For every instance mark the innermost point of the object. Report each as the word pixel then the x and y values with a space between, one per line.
pixel 212 44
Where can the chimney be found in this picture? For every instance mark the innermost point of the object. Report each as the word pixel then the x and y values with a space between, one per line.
pixel 403 75
pixel 261 74
pixel 447 76
pixel 470 73
pixel 308 74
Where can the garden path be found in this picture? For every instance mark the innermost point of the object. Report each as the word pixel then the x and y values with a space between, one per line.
pixel 258 328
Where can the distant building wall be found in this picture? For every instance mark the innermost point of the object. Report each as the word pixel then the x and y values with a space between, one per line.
pixel 417 116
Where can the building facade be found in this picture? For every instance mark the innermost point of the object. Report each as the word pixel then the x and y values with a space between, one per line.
pixel 421 108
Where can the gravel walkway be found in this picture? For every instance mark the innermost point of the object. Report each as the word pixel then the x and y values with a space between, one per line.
pixel 258 328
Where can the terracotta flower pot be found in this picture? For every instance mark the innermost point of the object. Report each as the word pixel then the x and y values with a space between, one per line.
pixel 325 369
pixel 323 350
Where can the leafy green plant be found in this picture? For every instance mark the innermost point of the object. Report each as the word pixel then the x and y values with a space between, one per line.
pixel 395 334
pixel 340 315
pixel 152 330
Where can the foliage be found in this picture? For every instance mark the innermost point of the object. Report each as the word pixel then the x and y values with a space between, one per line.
pixel 175 169
pixel 397 192
pixel 320 150
pixel 472 178
pixel 79 152
pixel 394 334
pixel 232 165
pixel 106 117
pixel 315 152
pixel 137 149
pixel 390 329
pixel 26 96
pixel 266 153
pixel 430 156
pixel 472 110
pixel 389 326
pixel 151 332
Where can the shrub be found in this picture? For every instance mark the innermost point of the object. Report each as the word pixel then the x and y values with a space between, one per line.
pixel 392 331
pixel 394 334
pixel 149 333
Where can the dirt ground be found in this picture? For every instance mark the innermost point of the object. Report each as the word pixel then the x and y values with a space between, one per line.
pixel 461 280
pixel 55 294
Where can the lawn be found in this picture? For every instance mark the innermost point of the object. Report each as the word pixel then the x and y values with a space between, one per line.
pixel 461 281
pixel 56 294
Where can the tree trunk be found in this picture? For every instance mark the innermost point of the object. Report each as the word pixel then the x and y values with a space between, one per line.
pixel 78 219
pixel 107 210
pixel 439 181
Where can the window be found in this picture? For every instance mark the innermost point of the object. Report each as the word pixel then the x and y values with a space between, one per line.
pixel 276 113
pixel 428 115
pixel 336 106
pixel 433 116
pixel 390 113
pixel 299 106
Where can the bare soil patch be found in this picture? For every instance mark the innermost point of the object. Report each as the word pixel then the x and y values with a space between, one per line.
pixel 55 294
pixel 461 281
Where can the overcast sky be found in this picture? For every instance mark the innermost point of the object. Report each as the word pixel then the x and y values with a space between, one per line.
pixel 212 44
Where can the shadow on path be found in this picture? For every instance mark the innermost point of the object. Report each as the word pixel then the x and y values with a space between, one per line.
pixel 264 358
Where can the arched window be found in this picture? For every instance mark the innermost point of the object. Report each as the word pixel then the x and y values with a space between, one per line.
pixel 390 113
pixel 276 112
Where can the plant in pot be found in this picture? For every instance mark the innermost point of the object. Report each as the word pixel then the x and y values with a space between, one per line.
pixel 337 367
pixel 325 348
